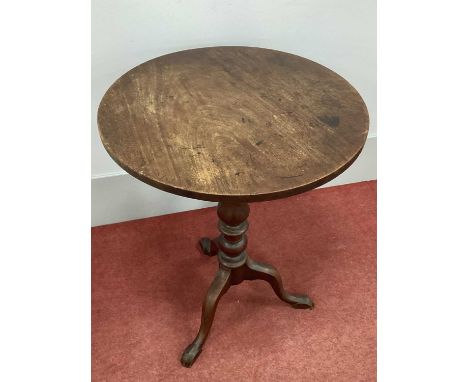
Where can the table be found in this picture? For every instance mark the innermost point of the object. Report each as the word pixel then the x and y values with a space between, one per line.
pixel 233 125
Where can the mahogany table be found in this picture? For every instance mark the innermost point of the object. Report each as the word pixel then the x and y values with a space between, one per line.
pixel 233 125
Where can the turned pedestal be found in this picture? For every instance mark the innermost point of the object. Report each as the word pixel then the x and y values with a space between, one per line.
pixel 235 266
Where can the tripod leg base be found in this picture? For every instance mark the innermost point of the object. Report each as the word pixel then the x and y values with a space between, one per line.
pixel 234 267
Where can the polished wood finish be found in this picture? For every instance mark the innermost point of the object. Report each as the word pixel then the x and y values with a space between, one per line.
pixel 235 266
pixel 233 123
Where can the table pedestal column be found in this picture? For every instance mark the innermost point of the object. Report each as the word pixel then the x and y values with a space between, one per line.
pixel 235 266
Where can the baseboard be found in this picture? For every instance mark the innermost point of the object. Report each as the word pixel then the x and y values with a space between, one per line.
pixel 119 197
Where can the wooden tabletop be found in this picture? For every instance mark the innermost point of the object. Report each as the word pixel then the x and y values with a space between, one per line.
pixel 233 123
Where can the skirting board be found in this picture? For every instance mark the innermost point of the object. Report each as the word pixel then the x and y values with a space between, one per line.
pixel 120 197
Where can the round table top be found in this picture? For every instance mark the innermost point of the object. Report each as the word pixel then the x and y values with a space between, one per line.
pixel 233 123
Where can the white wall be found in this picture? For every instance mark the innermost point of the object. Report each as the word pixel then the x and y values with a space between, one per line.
pixel 340 34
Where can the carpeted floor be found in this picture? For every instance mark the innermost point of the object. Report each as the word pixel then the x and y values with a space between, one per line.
pixel 149 280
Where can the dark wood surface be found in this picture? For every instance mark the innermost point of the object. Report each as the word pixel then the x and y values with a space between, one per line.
pixel 233 123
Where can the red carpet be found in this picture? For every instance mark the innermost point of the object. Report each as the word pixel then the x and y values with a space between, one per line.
pixel 149 280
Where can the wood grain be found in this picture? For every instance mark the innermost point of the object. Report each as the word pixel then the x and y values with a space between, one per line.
pixel 233 123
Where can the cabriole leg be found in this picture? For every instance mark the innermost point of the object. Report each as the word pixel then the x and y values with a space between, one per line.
pixel 218 287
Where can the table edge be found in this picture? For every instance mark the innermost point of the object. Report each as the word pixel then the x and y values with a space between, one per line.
pixel 239 197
